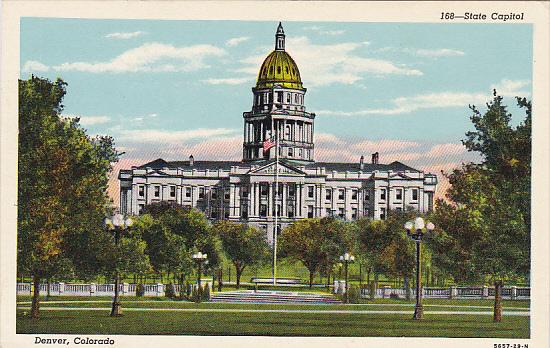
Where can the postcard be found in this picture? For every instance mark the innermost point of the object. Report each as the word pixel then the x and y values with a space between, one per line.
pixel 267 173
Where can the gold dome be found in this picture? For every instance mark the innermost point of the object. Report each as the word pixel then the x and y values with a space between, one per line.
pixel 279 67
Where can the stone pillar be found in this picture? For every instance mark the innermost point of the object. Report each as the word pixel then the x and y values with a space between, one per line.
pixel 514 294
pixel 160 289
pixel 386 292
pixel 485 291
pixel 453 292
pixel 125 288
pixel 93 288
pixel 61 288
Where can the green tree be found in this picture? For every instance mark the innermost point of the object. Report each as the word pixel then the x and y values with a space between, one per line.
pixel 317 243
pixel 62 186
pixel 486 223
pixel 244 245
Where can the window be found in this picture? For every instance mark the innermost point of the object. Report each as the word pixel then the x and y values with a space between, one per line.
pixel 399 194
pixel 172 191
pixel 341 194
pixel 188 192
pixel 263 189
pixel 226 214
pixel 290 152
pixel 415 194
pixel 141 190
pixel 290 211
pixel 214 214
pixel 354 213
pixel 140 208
pixel 278 70
pixel 287 132
pixel 157 191
pixel 244 212
pixel 328 194
pixel 214 193
pixel 354 194
pixel 399 209
pixel 278 212
pixel 226 194
pixel 310 211
pixel 383 194
pixel 280 97
pixel 201 192
pixel 286 69
pixel 341 213
pixel 328 212
pixel 288 96
pixel 382 213
pixel 310 191
pixel 367 195
pixel 244 192
pixel 301 153
pixel 263 210
pixel 291 190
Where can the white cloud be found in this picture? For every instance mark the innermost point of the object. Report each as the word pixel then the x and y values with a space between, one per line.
pixel 163 136
pixel 321 31
pixel 402 105
pixel 124 36
pixel 512 88
pixel 330 64
pixel 33 65
pixel 228 81
pixel 151 57
pixel 422 52
pixel 442 52
pixel 236 41
pixel 90 120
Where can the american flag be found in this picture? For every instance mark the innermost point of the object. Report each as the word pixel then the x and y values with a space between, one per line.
pixel 268 144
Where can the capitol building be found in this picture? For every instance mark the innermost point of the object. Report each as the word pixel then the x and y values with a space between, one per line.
pixel 250 191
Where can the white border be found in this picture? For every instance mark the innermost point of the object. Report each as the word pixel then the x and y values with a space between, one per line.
pixel 420 12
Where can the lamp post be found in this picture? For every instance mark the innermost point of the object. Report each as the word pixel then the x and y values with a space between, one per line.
pixel 199 258
pixel 117 223
pixel 346 258
pixel 415 230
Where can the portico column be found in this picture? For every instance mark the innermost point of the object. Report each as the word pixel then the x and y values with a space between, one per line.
pixel 284 204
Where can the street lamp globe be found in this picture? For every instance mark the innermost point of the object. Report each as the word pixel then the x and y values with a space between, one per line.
pixel 419 223
pixel 430 226
pixel 129 222
pixel 409 226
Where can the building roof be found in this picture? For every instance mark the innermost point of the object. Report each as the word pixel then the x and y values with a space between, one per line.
pixel 329 166
pixel 279 67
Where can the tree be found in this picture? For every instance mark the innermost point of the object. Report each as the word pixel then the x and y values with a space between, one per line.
pixel 172 233
pixel 62 185
pixel 244 245
pixel 486 223
pixel 317 243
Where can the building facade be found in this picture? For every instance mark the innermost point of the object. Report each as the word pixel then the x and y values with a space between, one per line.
pixel 249 191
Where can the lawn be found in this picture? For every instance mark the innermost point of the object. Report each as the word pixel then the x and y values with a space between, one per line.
pixel 364 323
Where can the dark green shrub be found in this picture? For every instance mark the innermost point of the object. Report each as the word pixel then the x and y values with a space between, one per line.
pixel 394 296
pixel 354 294
pixel 206 293
pixel 188 290
pixel 170 292
pixel 372 290
pixel 140 290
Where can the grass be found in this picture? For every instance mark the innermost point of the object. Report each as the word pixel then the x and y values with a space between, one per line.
pixel 271 324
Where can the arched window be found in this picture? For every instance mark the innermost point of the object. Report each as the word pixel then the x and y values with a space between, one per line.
pixel 287 131
pixel 278 70
pixel 271 69
pixel 286 68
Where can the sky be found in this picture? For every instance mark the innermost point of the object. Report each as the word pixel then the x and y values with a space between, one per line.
pixel 168 89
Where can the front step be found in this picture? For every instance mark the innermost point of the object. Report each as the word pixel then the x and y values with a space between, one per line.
pixel 273 297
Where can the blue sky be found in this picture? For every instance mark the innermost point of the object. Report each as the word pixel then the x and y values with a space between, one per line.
pixel 172 88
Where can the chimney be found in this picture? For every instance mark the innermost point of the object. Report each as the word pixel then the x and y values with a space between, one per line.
pixel 375 158
pixel 191 161
pixel 362 162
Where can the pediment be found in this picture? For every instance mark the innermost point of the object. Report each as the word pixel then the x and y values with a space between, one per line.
pixel 157 173
pixel 399 175
pixel 282 169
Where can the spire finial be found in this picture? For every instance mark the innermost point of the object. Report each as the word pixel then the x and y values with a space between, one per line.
pixel 280 38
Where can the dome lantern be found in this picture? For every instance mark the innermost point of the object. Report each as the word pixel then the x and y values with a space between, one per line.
pixel 280 38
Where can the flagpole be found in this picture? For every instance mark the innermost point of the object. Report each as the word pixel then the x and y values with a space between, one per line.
pixel 276 208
